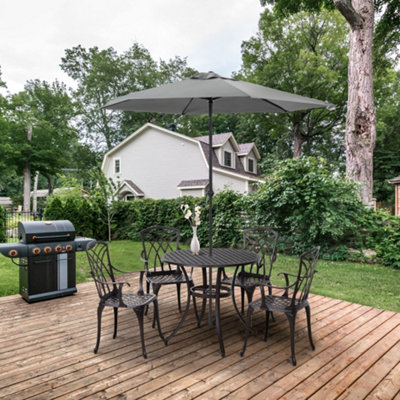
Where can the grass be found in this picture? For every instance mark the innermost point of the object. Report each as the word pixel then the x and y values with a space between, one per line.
pixel 372 285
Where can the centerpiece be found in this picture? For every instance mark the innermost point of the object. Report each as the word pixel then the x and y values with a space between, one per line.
pixel 194 220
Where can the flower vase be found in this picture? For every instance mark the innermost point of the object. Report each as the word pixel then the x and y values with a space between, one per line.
pixel 194 244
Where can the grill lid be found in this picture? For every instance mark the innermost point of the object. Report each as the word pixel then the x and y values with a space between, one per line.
pixel 45 231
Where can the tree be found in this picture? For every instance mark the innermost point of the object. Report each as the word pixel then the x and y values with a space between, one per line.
pixel 103 197
pixel 48 109
pixel 306 54
pixel 104 74
pixel 360 135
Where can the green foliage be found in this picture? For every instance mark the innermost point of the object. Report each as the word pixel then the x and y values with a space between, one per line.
pixel 380 231
pixel 102 75
pixel 306 204
pixel 83 214
pixel 306 54
pixel 2 225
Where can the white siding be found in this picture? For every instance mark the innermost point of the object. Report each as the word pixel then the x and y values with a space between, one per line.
pixel 157 162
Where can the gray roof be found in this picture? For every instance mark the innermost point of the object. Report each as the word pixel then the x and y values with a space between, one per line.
pixel 245 148
pixel 239 169
pixel 194 183
pixel 217 140
pixel 395 180
pixel 134 187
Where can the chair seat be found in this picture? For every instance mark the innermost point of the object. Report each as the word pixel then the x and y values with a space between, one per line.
pixel 246 279
pixel 249 279
pixel 166 277
pixel 277 303
pixel 131 300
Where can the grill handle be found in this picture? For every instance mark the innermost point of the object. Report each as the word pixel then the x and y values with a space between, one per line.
pixel 51 238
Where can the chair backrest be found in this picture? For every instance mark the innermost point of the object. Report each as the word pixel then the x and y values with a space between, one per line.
pixel 101 268
pixel 307 269
pixel 156 241
pixel 262 241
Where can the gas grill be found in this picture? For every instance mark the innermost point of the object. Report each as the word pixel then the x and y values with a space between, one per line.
pixel 46 253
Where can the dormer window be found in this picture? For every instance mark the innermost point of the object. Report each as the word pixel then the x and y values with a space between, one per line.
pixel 117 165
pixel 250 165
pixel 228 159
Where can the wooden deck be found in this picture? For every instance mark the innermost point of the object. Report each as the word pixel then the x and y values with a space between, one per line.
pixel 46 352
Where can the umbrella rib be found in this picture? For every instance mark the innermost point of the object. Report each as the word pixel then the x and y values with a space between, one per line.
pixel 187 106
pixel 275 105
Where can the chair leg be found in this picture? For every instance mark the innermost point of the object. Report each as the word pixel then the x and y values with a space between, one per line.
pixel 139 314
pixel 267 313
pixel 242 297
pixel 158 322
pixel 147 291
pixel 156 289
pixel 115 322
pixel 308 311
pixel 178 293
pixel 292 320
pixel 100 309
pixel 247 331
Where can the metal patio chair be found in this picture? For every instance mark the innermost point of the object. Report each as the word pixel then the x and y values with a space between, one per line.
pixel 262 241
pixel 293 299
pixel 156 241
pixel 111 293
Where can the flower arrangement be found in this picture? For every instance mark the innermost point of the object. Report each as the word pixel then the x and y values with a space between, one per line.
pixel 192 217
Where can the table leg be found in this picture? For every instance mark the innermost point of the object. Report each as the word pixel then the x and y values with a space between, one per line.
pixel 204 301
pixel 217 312
pixel 188 283
pixel 210 310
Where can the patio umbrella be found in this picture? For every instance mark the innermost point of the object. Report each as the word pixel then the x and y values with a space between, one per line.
pixel 209 93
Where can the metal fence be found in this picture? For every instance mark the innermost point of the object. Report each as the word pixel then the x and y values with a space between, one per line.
pixel 12 219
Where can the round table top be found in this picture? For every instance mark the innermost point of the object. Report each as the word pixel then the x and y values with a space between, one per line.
pixel 220 258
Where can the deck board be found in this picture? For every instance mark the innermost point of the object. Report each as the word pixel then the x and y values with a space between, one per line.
pixel 46 352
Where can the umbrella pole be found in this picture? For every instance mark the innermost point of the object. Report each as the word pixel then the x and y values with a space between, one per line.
pixel 210 175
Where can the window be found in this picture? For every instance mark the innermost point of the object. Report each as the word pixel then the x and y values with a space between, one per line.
pixel 250 165
pixel 117 166
pixel 129 197
pixel 227 159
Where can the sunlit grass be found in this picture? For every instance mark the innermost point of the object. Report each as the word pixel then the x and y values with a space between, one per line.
pixel 372 285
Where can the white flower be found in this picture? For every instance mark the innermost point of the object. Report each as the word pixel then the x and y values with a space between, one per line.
pixel 197 221
pixel 188 214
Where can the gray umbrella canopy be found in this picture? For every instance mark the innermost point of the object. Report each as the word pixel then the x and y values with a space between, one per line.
pixel 191 96
pixel 209 93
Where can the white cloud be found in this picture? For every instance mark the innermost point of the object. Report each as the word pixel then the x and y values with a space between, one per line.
pixel 34 34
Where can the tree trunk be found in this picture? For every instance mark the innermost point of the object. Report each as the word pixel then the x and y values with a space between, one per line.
pixel 35 185
pixel 298 138
pixel 27 177
pixel 297 142
pixel 361 119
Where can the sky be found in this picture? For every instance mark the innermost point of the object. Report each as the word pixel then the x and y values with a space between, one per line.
pixel 35 33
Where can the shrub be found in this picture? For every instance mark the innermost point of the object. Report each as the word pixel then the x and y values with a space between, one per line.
pixel 307 205
pixel 380 231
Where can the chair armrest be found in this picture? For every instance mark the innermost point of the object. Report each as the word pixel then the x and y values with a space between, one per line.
pixel 119 270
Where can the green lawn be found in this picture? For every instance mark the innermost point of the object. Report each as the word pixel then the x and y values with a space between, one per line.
pixel 372 285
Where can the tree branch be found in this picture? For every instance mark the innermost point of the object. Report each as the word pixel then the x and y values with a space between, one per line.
pixel 352 16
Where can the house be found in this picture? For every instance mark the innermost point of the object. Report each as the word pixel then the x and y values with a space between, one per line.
pixel 396 183
pixel 159 163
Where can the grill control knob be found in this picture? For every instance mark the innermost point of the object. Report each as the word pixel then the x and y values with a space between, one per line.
pixel 68 247
pixel 36 251
pixel 13 253
pixel 47 249
pixel 58 249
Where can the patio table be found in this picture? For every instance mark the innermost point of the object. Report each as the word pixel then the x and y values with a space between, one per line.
pixel 220 259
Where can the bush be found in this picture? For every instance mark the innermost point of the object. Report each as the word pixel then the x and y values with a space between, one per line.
pixel 2 225
pixel 380 231
pixel 307 205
